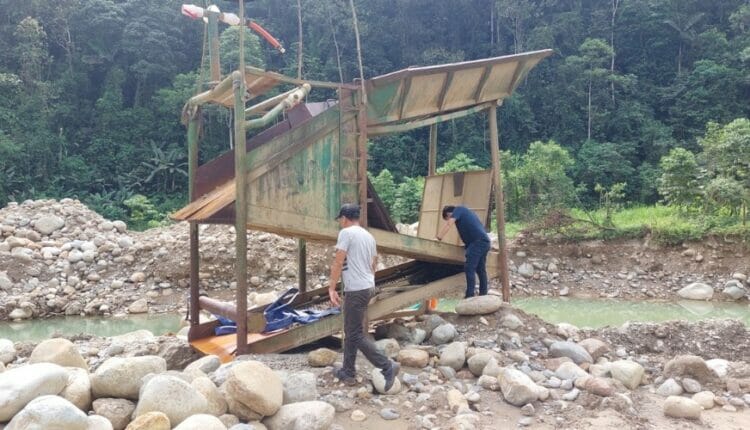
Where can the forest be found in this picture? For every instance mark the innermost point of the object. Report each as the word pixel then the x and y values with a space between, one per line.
pixel 644 102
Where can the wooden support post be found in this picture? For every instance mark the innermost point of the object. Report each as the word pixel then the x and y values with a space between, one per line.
pixel 433 149
pixel 362 159
pixel 192 139
pixel 497 176
pixel 302 264
pixel 213 46
pixel 240 206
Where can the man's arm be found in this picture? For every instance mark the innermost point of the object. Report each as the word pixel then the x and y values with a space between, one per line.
pixel 375 263
pixel 336 267
pixel 447 226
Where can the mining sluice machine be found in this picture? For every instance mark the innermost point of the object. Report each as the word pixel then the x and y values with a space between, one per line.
pixel 305 159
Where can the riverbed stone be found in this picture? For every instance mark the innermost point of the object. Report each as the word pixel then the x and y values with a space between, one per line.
pixel 299 386
pixel 705 399
pixel 378 382
pixel 595 347
pixel 58 351
pixel 309 415
pixel 117 411
pixel 453 355
pixel 49 412
pixel 150 421
pixel 682 407
pixel 48 224
pixel 201 422
pixel 479 305
pixel 389 347
pixel 216 404
pixel 432 322
pixel 518 389
pixel 628 372
pixel 719 366
pixel 121 377
pixel 322 357
pixel 526 270
pixel 20 385
pixel 205 364
pixel 139 306
pixel 696 291
pixel 253 390
pixel 569 370
pixel 172 396
pixel 689 365
pixel 511 321
pixel 571 350
pixel 413 357
pixel 7 351
pixel 443 334
pixel 670 387
pixel 78 389
pixel 734 290
pixel 98 422
pixel 691 385
pixel 599 386
pixel 477 362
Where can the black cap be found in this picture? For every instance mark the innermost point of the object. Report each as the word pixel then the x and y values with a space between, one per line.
pixel 349 210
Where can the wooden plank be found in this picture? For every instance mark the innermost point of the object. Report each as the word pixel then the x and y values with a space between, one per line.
pixel 502 256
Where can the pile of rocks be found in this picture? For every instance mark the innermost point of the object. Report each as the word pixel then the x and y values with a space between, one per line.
pixel 56 387
pixel 60 258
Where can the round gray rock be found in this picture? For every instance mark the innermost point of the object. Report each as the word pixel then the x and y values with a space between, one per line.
pixel 48 224
pixel 311 415
pixel 696 291
pixel 49 413
pixel 58 351
pixel 172 396
pixel 121 377
pixel 117 411
pixel 479 305
pixel 20 385
pixel 201 422
pixel 571 350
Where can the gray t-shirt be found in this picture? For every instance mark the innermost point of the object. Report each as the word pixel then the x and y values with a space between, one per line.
pixel 360 250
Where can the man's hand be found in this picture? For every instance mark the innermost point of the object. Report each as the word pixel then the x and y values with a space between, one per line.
pixel 438 238
pixel 334 296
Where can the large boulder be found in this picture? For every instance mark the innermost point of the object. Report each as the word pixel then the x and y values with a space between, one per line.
pixel 691 366
pixel 311 415
pixel 682 407
pixel 412 357
pixel 216 404
pixel 172 396
pixel 299 386
pixel 696 291
pixel 150 421
pixel 253 390
pixel 453 355
pixel 78 389
pixel 7 351
pixel 49 413
pixel 21 385
pixel 628 372
pixel 518 389
pixel 479 305
pixel 58 351
pixel 117 411
pixel 201 422
pixel 571 350
pixel 121 377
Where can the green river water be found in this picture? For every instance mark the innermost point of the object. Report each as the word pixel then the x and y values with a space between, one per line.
pixel 579 312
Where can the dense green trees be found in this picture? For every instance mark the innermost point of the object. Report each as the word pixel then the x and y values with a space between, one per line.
pixel 92 92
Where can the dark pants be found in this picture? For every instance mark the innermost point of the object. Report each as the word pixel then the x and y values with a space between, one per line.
pixel 476 264
pixel 355 309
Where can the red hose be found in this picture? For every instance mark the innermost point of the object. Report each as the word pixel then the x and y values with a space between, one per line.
pixel 266 35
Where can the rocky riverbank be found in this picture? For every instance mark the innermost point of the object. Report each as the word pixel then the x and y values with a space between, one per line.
pixel 492 367
pixel 60 258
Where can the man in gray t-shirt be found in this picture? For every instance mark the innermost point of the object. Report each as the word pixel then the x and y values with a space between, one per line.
pixel 356 260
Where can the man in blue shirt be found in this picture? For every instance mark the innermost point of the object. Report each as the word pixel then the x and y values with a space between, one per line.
pixel 477 244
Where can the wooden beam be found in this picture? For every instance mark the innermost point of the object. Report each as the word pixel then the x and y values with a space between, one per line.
pixel 497 175
pixel 213 46
pixel 240 154
pixel 302 264
pixel 444 91
pixel 400 128
pixel 362 161
pixel 482 82
pixel 193 145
